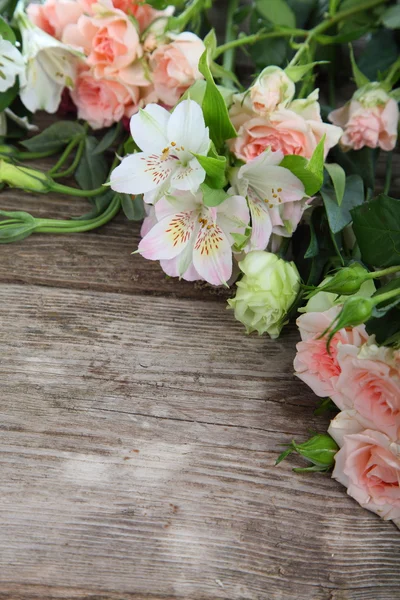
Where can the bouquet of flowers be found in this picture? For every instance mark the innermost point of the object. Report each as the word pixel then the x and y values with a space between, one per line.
pixel 240 180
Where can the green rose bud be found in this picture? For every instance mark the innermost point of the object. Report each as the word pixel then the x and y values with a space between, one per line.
pixel 345 282
pixel 320 450
pixel 24 178
pixel 356 310
pixel 265 293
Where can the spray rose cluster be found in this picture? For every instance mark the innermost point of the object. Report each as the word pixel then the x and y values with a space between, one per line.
pixel 125 57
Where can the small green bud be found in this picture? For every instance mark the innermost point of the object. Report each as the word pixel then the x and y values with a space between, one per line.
pixel 319 450
pixel 356 310
pixel 24 178
pixel 345 282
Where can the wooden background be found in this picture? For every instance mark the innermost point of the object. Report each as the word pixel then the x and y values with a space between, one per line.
pixel 140 427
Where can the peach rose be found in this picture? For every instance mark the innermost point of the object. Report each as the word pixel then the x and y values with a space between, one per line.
pixel 54 15
pixel 313 364
pixel 110 42
pixel 369 119
pixel 369 382
pixel 296 129
pixel 102 102
pixel 143 12
pixel 368 465
pixel 175 66
pixel 272 89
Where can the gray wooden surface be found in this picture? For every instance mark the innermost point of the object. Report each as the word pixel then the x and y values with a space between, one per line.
pixel 139 432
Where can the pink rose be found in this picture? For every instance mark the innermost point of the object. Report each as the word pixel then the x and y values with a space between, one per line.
pixel 313 364
pixel 369 119
pixel 175 67
pixel 54 15
pixel 369 382
pixel 296 129
pixel 143 12
pixel 102 102
pixel 111 44
pixel 368 465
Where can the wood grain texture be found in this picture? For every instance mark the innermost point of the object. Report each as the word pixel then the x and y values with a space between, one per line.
pixel 138 443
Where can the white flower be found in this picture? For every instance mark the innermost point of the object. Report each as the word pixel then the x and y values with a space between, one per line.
pixel 11 64
pixel 168 142
pixel 50 66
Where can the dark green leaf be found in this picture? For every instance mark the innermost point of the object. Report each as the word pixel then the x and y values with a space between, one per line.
pixel 99 203
pixel 270 52
pixel 302 10
pixel 379 54
pixel 6 32
pixel 133 207
pixel 276 11
pixel 376 226
pixel 338 177
pixel 108 139
pixel 340 216
pixel 386 327
pixel 214 108
pixel 8 96
pixel 313 247
pixel 54 137
pixel 92 170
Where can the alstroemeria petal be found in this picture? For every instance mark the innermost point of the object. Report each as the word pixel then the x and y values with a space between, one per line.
pixel 212 255
pixel 169 237
pixel 140 173
pixel 233 214
pixel 170 267
pixel 149 128
pixel 261 226
pixel 189 177
pixel 186 127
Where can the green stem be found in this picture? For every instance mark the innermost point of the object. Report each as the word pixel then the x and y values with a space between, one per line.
pixel 74 142
pixel 65 226
pixel 34 155
pixel 340 16
pixel 386 296
pixel 383 272
pixel 229 57
pixel 71 191
pixel 179 23
pixel 71 169
pixel 388 175
pixel 392 72
pixel 258 37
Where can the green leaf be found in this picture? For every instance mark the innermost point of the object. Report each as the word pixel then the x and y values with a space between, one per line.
pixel 8 96
pixel 99 203
pixel 338 177
pixel 270 52
pixel 359 77
pixel 214 168
pixel 214 108
pixel 313 247
pixel 92 170
pixel 6 32
pixel 310 172
pixel 133 207
pixel 395 94
pixel 54 137
pixel 340 216
pixel 210 42
pixel 7 7
pixel 379 54
pixel 302 10
pixel 342 38
pixel 276 11
pixel 195 92
pixel 391 17
pixel 212 197
pixel 108 139
pixel 297 73
pixel 376 225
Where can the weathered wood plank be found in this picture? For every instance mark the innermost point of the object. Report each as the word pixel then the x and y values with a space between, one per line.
pixel 137 461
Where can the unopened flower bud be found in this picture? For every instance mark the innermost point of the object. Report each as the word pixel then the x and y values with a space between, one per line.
pixel 24 178
pixel 345 282
pixel 273 88
pixel 320 450
pixel 356 311
pixel 265 293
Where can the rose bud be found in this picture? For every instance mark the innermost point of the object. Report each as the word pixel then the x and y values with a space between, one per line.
pixel 345 282
pixel 273 88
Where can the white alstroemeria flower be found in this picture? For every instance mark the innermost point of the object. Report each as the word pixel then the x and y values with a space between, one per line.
pixel 168 142
pixel 50 67
pixel 11 64
pixel 275 195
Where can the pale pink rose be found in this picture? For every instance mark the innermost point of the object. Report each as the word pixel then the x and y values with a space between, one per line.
pixel 296 129
pixel 54 15
pixel 368 465
pixel 369 382
pixel 175 67
pixel 272 89
pixel 313 364
pixel 365 125
pixel 102 102
pixel 143 12
pixel 111 44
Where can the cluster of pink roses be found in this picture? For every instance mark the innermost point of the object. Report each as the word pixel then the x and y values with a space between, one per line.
pixel 363 380
pixel 128 57
pixel 269 116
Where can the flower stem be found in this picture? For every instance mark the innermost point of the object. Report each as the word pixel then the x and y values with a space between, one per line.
pixel 34 155
pixel 71 169
pixel 71 191
pixel 383 272
pixel 257 37
pixel 179 23
pixel 69 226
pixel 388 175
pixel 229 58
pixel 336 18
pixel 74 142
pixel 386 296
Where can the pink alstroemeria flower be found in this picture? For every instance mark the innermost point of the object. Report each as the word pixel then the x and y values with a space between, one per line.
pixel 168 142
pixel 276 198
pixel 191 240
